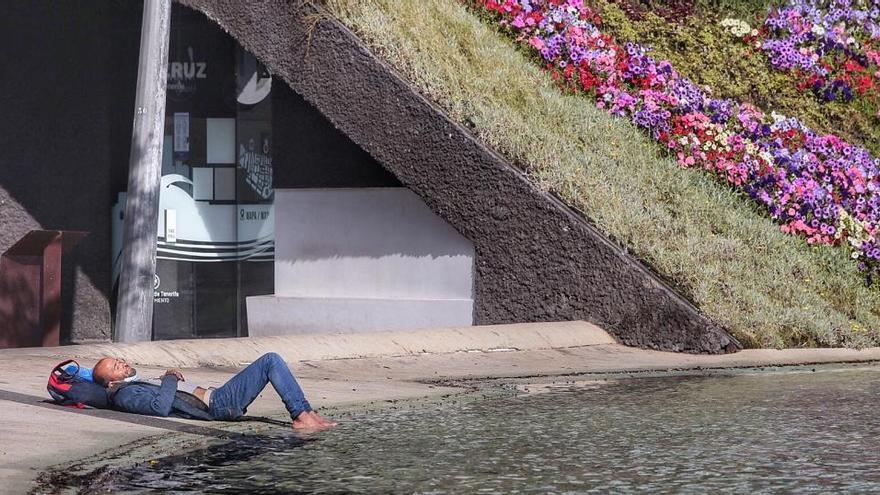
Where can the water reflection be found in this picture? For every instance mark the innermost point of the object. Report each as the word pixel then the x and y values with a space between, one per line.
pixel 805 432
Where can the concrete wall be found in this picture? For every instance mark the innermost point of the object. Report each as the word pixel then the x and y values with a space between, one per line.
pixel 536 260
pixel 363 259
pixel 67 78
pixel 367 242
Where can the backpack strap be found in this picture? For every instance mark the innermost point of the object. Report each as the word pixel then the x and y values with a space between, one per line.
pixel 60 382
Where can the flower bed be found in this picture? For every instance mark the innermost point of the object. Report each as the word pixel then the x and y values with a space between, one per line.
pixel 817 186
pixel 833 47
pixel 703 50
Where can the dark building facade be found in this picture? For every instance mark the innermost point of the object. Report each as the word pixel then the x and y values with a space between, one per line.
pixel 68 92
pixel 65 149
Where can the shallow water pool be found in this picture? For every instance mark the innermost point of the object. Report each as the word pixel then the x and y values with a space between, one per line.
pixel 803 432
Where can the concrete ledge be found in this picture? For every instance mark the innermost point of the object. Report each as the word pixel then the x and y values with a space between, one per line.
pixel 274 315
pixel 316 347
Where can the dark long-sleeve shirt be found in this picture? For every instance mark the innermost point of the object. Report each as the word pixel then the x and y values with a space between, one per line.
pixel 158 400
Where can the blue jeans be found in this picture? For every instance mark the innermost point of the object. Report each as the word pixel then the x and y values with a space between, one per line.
pixel 231 400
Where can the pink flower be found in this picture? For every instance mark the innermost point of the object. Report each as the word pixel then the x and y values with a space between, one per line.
pixel 536 42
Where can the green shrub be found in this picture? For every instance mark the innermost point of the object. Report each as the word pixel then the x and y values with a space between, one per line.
pixel 747 10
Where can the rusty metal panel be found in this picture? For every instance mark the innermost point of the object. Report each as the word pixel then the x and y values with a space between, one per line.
pixel 30 288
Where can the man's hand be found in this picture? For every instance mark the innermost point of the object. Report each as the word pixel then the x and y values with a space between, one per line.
pixel 176 373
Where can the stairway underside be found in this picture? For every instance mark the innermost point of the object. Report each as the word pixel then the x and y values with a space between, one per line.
pixel 536 259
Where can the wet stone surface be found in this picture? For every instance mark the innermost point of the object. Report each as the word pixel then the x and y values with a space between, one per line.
pixel 801 432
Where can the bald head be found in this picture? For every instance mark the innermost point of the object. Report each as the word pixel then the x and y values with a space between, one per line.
pixel 109 370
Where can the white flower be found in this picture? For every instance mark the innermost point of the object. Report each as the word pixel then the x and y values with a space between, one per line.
pixel 854 230
pixel 737 27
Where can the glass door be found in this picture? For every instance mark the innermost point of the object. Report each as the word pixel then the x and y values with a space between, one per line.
pixel 215 242
pixel 255 223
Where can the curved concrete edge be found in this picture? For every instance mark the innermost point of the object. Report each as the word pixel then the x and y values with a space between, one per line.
pixel 316 347
pixel 750 358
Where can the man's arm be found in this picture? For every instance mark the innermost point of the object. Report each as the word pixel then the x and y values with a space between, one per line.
pixel 161 404
pixel 144 398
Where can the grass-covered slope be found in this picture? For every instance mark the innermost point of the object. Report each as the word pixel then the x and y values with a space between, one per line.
pixel 713 245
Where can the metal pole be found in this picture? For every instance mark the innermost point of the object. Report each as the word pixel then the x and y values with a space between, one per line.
pixel 134 309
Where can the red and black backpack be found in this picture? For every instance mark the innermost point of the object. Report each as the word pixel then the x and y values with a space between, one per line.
pixel 68 389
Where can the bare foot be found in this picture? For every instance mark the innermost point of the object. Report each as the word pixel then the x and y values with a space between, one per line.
pixel 310 420
pixel 307 421
pixel 324 420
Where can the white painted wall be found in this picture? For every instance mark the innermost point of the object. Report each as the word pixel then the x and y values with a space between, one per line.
pixel 363 259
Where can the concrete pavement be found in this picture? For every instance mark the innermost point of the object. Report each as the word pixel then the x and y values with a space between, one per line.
pixel 351 371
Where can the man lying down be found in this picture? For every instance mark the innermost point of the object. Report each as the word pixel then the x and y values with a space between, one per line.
pixel 169 396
